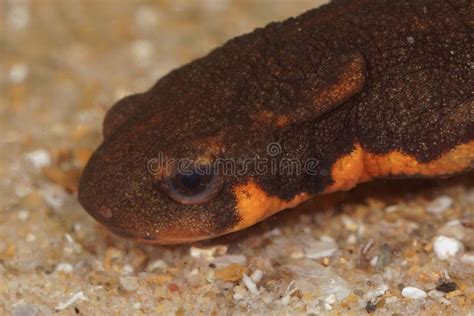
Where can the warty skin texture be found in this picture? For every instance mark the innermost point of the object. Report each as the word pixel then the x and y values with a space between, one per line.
pixel 369 88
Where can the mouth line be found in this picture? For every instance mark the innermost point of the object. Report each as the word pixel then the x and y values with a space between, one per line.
pixel 158 240
pixel 125 234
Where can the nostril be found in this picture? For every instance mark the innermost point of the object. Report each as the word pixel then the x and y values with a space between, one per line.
pixel 106 212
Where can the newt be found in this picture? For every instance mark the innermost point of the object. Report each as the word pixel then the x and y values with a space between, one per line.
pixel 362 89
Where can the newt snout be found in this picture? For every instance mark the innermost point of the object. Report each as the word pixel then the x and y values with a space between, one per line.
pixel 340 95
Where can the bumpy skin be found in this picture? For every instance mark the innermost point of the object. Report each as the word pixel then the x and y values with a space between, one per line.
pixel 369 88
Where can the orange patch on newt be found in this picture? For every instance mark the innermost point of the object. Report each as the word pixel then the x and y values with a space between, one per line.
pixel 348 83
pixel 361 166
pixel 254 204
pixel 456 160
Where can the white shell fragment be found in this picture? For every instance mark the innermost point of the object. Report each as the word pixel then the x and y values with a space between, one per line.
pixel 311 276
pixel 39 158
pixel 413 293
pixel 249 284
pixel 320 249
pixel 446 247
pixel 439 205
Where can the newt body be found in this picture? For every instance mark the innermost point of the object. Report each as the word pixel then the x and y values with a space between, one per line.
pixel 364 88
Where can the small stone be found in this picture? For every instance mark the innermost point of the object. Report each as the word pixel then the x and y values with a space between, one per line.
pixel 384 257
pixel 65 267
pixel 446 247
pixel 30 238
pixel 392 208
pixel 233 272
pixel 74 298
pixel 330 299
pixel 229 259
pixel 467 258
pixel 129 283
pixel 439 205
pixel 413 293
pixel 207 253
pixel 23 215
pixel 320 249
pixel 327 307
pixel 349 224
pixel 453 294
pixel 39 158
pixel 239 292
pixel 447 287
pixel 142 51
pixel 18 73
pixel 377 292
pixel 249 284
pixel 237 296
pixel 257 275
pixel 370 307
pixel 435 294
pixel 53 195
pixel 156 265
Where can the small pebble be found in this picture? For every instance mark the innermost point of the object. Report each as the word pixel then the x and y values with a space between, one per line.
pixel 370 307
pixel 413 293
pixel 377 292
pixel 65 267
pixel 156 265
pixel 30 238
pixel 446 247
pixel 23 215
pixel 239 292
pixel 207 253
pixel 320 249
pixel 468 258
pixel 439 205
pixel 351 239
pixel 39 158
pixel 249 284
pixel 392 208
pixel 229 259
pixel 410 40
pixel 435 294
pixel 74 298
pixel 330 299
pixel 453 294
pixel 257 275
pixel 129 283
pixel 18 73
pixel 232 272
pixel 327 307
pixel 447 287
pixel 53 195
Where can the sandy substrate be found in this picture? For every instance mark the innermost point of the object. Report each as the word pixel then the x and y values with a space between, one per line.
pixel 391 248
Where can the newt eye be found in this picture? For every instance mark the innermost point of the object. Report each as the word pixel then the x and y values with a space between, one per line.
pixel 193 186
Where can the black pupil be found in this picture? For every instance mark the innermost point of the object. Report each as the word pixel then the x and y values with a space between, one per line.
pixel 191 184
pixel 191 181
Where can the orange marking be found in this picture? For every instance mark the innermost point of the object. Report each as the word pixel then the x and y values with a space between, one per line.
pixel 361 166
pixel 348 83
pixel 254 204
pixel 348 171
pixel 282 121
pixel 456 160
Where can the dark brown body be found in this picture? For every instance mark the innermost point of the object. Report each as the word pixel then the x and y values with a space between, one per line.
pixel 368 88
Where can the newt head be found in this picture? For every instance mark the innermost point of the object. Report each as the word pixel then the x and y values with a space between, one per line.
pixel 174 164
